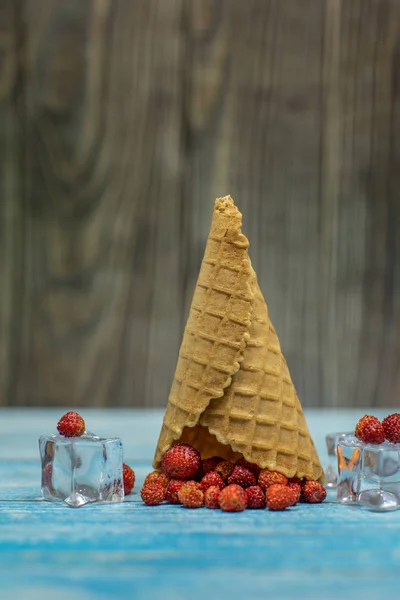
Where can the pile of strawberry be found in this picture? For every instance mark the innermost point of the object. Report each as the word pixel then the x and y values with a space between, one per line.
pixel 217 483
pixel 371 430
pixel 73 425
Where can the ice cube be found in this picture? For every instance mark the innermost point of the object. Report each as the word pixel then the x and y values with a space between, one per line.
pixel 369 475
pixel 349 451
pixel 82 469
pixel 330 464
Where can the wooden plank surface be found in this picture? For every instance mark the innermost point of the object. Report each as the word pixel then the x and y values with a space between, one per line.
pixel 103 191
pixel 320 552
pixel 12 220
pixel 121 123
pixel 259 137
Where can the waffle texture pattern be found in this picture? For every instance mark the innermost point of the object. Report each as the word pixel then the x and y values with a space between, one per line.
pixel 232 393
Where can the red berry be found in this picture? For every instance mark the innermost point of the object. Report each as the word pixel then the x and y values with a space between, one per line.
pixel 370 430
pixel 279 497
pixel 313 492
pixel 212 478
pixel 211 497
pixel 224 469
pixel 391 426
pixel 243 477
pixel 209 464
pixel 181 462
pixel 153 494
pixel 295 480
pixel 255 497
pixel 129 479
pixel 190 495
pixel 233 498
pixel 268 478
pixel 296 488
pixel 173 488
pixel 242 462
pixel 151 477
pixel 71 425
pixel 163 480
pixel 157 477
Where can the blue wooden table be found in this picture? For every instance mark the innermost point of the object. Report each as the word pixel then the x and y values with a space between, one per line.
pixel 168 552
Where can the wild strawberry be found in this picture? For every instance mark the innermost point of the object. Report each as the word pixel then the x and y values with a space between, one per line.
pixel 233 498
pixel 296 488
pixel 171 495
pixel 211 496
pixel 129 479
pixel 190 495
pixel 243 477
pixel 212 478
pixel 157 477
pixel 279 497
pixel 152 494
pixel 370 430
pixel 295 480
pixel 209 464
pixel 181 462
pixel 255 497
pixel 313 492
pixel 391 426
pixel 242 462
pixel 151 477
pixel 224 469
pixel 71 425
pixel 267 478
pixel 163 480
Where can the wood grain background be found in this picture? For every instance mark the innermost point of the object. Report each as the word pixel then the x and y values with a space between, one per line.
pixel 122 120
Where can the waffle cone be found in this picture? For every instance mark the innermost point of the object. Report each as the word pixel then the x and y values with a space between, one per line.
pixel 232 393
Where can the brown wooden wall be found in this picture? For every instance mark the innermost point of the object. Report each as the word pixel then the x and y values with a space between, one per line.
pixel 122 120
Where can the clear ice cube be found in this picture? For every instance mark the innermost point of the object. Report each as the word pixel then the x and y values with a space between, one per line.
pixel 81 470
pixel 330 464
pixel 349 451
pixel 369 475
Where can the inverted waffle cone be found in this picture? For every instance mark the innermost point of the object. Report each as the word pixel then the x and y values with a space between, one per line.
pixel 232 394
